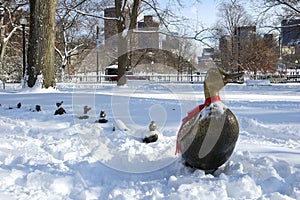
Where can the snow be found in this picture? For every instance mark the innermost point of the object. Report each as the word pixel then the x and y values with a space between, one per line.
pixel 258 82
pixel 125 33
pixel 47 156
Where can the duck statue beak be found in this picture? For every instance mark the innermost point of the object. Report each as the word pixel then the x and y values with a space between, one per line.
pixel 231 77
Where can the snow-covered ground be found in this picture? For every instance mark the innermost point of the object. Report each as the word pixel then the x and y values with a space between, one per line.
pixel 47 156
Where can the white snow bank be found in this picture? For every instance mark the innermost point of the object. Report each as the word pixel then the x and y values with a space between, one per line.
pixel 258 82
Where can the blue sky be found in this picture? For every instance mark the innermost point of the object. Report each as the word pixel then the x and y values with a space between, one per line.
pixel 205 12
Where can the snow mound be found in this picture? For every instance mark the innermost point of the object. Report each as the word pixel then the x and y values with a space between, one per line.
pixel 258 82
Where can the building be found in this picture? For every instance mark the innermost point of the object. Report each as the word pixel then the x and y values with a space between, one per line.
pixel 146 48
pixel 290 32
pixel 231 47
pixel 205 61
pixel 146 34
pixel 244 31
pixel 171 43
pixel 290 44
pixel 207 54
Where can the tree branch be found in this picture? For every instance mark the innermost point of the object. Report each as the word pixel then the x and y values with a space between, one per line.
pixel 286 3
pixel 92 15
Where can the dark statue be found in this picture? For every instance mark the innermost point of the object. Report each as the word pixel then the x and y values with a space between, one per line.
pixel 209 133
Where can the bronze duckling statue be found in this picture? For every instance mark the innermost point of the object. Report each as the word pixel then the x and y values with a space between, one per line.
pixel 208 134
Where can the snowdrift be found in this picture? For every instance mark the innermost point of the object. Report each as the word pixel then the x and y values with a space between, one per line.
pixel 43 156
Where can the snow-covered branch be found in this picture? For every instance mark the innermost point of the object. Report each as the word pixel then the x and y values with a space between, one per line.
pixel 6 39
pixel 74 51
pixel 59 52
pixel 92 15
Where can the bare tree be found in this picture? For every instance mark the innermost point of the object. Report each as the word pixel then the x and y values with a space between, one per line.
pixel 126 17
pixel 283 8
pixel 184 55
pixel 71 40
pixel 122 7
pixel 232 15
pixel 270 13
pixel 259 54
pixel 130 10
pixel 10 13
pixel 285 14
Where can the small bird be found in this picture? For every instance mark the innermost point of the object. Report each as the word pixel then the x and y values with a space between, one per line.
pixel 86 109
pixel 58 104
pixel 102 114
pixel 152 126
pixel 19 105
pixel 38 108
pixel 150 139
pixel 60 111
pixel 101 121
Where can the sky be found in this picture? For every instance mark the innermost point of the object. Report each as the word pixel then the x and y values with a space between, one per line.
pixel 202 13
pixel 205 12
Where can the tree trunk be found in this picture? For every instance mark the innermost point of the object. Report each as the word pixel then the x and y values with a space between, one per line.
pixel 32 70
pixel 2 32
pixel 41 42
pixel 122 60
pixel 123 39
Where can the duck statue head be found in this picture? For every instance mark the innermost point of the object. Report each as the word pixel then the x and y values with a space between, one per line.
pixel 209 132
pixel 216 79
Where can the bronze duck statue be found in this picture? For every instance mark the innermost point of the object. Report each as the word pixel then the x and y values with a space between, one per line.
pixel 207 136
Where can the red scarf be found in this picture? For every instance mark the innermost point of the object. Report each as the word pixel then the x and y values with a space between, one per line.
pixel 191 114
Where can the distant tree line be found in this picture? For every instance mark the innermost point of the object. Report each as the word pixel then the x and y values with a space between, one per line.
pixel 61 29
pixel 254 50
